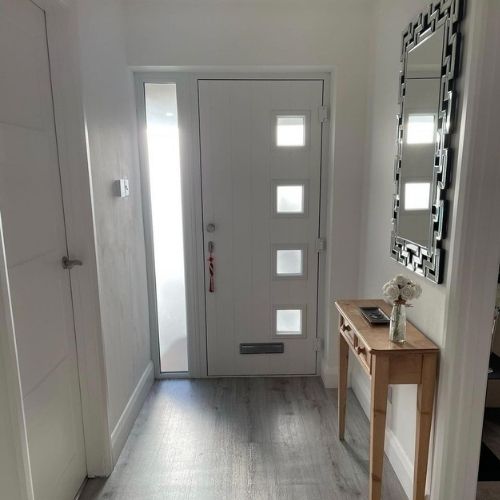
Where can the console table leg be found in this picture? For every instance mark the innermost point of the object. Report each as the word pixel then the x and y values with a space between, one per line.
pixel 379 388
pixel 425 404
pixel 342 390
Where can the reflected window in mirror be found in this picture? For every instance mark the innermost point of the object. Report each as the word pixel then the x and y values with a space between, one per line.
pixel 421 129
pixel 417 196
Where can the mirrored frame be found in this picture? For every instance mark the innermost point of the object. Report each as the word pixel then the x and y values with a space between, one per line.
pixel 427 259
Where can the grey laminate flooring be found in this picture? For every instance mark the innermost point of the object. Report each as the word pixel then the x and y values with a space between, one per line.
pixel 244 439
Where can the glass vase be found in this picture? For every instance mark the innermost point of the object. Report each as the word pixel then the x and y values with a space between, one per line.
pixel 397 329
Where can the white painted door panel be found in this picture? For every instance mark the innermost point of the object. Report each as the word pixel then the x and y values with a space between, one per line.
pixel 241 167
pixel 33 220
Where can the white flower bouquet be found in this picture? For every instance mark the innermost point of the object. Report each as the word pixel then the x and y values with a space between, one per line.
pixel 401 290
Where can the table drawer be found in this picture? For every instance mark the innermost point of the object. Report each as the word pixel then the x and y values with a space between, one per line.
pixel 363 354
pixel 347 331
pixel 357 345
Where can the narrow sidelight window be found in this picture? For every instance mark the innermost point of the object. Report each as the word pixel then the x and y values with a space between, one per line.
pixel 168 236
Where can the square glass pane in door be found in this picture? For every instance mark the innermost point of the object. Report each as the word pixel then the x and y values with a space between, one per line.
pixel 290 131
pixel 289 262
pixel 290 199
pixel 289 321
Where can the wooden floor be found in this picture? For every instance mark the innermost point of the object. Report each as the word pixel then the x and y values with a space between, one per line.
pixel 243 439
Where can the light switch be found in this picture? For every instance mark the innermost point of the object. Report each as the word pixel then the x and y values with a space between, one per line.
pixel 121 188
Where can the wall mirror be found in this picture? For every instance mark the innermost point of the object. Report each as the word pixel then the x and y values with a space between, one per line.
pixel 427 98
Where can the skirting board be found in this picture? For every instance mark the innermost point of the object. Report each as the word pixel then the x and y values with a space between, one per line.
pixel 123 427
pixel 399 460
pixel 329 375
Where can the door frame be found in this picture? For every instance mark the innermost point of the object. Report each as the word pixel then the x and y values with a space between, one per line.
pixel 186 80
pixel 61 20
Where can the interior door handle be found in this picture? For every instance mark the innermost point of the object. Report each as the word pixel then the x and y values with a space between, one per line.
pixel 68 263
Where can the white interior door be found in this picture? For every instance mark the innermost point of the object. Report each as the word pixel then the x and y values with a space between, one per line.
pixel 33 220
pixel 261 159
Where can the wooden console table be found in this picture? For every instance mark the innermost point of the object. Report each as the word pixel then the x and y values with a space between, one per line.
pixel 414 362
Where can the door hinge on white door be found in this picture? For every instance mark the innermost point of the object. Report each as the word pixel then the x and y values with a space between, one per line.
pixel 320 245
pixel 318 345
pixel 323 113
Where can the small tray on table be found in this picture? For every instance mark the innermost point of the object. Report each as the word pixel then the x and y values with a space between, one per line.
pixel 374 315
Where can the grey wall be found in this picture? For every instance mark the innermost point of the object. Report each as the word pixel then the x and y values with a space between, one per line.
pixel 109 108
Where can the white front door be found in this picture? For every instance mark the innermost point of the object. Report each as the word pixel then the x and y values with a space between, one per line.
pixel 35 241
pixel 260 144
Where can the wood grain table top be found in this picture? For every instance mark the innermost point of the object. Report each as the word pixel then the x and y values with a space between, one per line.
pixel 376 337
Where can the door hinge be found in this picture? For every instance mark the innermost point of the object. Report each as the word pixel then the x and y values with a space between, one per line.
pixel 320 245
pixel 318 345
pixel 323 113
pixel 68 263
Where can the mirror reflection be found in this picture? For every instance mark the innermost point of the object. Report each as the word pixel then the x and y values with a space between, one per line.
pixel 420 139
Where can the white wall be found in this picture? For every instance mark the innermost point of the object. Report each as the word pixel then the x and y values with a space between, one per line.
pixel 430 313
pixel 108 101
pixel 280 33
pixel 376 265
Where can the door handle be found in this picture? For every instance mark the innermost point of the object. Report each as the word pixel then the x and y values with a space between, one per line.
pixel 211 267
pixel 68 263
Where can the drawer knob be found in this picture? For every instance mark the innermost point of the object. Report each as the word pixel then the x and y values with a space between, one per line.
pixel 360 350
pixel 346 328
